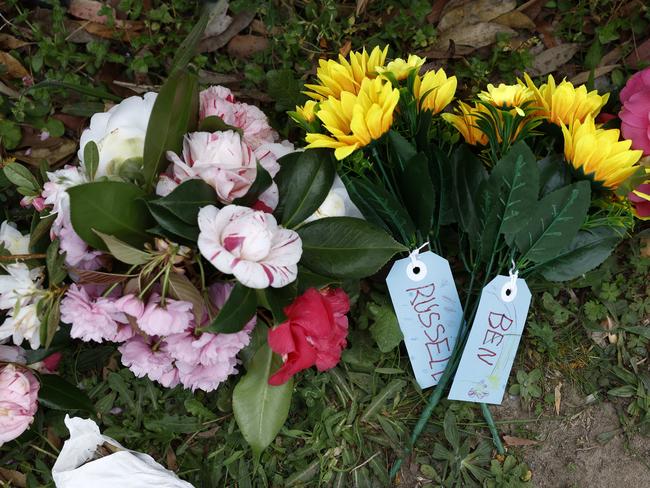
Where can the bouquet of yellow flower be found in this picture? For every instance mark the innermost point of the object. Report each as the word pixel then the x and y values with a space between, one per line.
pixel 521 180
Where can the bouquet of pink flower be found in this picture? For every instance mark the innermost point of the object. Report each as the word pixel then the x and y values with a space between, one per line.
pixel 186 227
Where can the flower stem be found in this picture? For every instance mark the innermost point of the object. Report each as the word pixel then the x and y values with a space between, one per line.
pixel 487 415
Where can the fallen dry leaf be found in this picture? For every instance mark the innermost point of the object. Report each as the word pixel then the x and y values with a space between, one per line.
pixel 474 12
pixel 170 458
pixel 436 11
pixel 474 35
pixel 53 155
pixel 16 478
pixel 583 77
pixel 10 92
pixel 125 31
pixel 551 59
pixel 640 54
pixel 87 10
pixel 645 247
pixel 14 68
pixel 361 7
pixel 7 41
pixel 512 441
pixel 532 8
pixel 219 19
pixel 558 397
pixel 212 78
pixel 345 48
pixel 239 23
pixel 548 37
pixel 516 20
pixel 244 46
pixel 611 57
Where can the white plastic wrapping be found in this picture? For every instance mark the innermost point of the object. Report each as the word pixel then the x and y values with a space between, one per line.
pixel 123 469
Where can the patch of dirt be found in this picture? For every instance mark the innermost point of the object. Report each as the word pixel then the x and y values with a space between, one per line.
pixel 583 447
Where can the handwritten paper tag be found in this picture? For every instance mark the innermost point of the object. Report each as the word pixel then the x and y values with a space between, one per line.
pixel 429 312
pixel 493 340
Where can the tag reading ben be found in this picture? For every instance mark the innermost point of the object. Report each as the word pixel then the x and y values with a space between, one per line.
pixel 428 310
pixel 493 340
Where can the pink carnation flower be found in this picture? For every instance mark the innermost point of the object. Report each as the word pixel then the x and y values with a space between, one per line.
pixel 149 359
pixel 635 114
pixel 18 401
pixel 171 318
pixel 93 318
pixel 250 245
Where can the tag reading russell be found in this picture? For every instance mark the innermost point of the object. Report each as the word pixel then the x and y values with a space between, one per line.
pixel 428 309
pixel 493 340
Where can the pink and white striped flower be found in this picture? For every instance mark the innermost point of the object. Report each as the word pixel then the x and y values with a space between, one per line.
pixel 250 245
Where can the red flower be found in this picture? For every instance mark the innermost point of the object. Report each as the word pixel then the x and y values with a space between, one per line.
pixel 314 333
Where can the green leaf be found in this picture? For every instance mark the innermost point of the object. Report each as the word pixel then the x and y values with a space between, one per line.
pixel 187 50
pixel 418 192
pixel 186 200
pixel 112 207
pixel 10 134
pixel 91 159
pixel 284 88
pixel 262 181
pixel 400 149
pixel 555 221
pixel 175 227
pixel 467 174
pixel 57 393
pixel 20 176
pixel 450 428
pixel 589 248
pixel 55 263
pixel 279 298
pixel 346 247
pixel 303 183
pixel 385 328
pixel 214 123
pixel 124 252
pixel 174 114
pixel 175 424
pixel 197 409
pixel 236 312
pixel 182 289
pixel 554 173
pixel 40 230
pixel 517 175
pixel 380 207
pixel 261 409
pixel 308 279
pixel 52 323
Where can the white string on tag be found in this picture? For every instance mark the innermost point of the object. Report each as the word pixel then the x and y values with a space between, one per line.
pixel 509 290
pixel 416 269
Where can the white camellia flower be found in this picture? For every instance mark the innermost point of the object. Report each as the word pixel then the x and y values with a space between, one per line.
pixel 22 324
pixel 118 133
pixel 250 245
pixel 336 204
pixel 12 240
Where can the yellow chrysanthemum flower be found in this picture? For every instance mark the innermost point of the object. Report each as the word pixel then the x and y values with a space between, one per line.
pixel 438 90
pixel 336 77
pixel 598 153
pixel 401 68
pixel 563 103
pixel 508 96
pixel 307 111
pixel 355 120
pixel 465 123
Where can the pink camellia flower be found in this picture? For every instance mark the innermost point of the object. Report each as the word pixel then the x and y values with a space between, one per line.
pixel 151 359
pixel 635 114
pixel 314 333
pixel 220 101
pixel 18 400
pixel 221 159
pixel 172 317
pixel 250 245
pixel 93 318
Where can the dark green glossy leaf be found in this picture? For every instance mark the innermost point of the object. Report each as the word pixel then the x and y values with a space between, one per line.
pixel 418 192
pixel 589 248
pixel 555 221
pixel 186 200
pixel 113 207
pixel 303 184
pixel 278 298
pixel 554 173
pixel 91 159
pixel 262 181
pixel 467 173
pixel 187 50
pixel 172 224
pixel 346 247
pixel 122 251
pixel 57 393
pixel 214 123
pixel 261 409
pixel 236 312
pixel 174 114
pixel 55 263
pixel 400 149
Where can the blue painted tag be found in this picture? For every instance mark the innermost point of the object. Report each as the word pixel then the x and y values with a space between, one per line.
pixel 429 312
pixel 493 341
